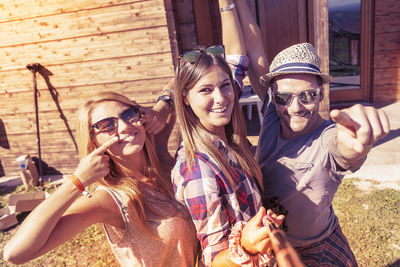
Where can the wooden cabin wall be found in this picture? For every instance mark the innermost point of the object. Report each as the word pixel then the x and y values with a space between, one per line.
pixel 387 51
pixel 86 47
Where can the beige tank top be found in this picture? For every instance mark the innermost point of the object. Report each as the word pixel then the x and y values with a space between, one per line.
pixel 174 242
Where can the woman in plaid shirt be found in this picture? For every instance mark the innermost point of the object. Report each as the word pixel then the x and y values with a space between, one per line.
pixel 215 174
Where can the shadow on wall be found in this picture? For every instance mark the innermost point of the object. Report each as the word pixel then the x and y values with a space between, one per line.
pixel 3 143
pixel 46 169
pixel 45 73
pixel 2 173
pixel 3 136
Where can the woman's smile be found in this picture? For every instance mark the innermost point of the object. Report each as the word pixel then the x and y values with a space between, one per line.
pixel 219 110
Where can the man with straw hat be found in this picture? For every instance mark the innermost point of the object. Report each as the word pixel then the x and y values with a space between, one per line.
pixel 303 157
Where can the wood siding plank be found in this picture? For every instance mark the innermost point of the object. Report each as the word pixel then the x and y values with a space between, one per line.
pixel 387 42
pixel 92 72
pixel 85 23
pixel 20 9
pixel 144 91
pixel 111 45
pixel 387 23
pixel 386 7
pixel 386 93
pixel 387 76
pixel 386 59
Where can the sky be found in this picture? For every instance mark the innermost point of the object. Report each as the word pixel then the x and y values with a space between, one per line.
pixel 336 3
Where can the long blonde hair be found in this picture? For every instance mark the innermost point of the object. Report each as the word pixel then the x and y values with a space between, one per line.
pixel 195 135
pixel 153 169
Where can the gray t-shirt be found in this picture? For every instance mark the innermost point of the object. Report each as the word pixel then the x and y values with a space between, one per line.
pixel 303 174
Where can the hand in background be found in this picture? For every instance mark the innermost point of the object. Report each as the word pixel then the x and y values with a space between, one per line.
pixel 155 118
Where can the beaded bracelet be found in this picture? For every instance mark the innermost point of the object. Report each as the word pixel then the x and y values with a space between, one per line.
pixel 75 180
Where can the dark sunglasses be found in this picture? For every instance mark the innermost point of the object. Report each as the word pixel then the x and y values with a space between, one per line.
pixel 107 125
pixel 305 97
pixel 193 55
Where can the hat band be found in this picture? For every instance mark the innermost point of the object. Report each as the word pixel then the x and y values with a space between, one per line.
pixel 297 67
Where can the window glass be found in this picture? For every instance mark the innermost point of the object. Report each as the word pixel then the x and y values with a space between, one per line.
pixel 344 43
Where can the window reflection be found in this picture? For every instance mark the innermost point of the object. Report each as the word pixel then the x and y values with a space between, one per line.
pixel 344 43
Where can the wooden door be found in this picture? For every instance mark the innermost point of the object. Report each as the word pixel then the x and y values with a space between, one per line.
pixel 282 23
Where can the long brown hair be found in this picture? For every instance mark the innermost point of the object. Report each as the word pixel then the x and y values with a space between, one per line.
pixel 196 136
pixel 153 169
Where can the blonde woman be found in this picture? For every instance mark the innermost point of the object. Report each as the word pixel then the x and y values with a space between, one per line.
pixel 134 201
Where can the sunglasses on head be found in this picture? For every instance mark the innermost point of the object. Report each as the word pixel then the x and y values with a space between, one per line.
pixel 193 55
pixel 107 125
pixel 305 97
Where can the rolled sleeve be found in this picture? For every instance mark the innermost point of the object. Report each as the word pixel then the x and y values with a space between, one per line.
pixel 239 65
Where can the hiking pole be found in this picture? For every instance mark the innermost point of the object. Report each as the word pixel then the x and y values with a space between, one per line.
pixel 34 69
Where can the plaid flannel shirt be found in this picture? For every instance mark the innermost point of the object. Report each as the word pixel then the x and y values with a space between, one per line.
pixel 239 65
pixel 215 206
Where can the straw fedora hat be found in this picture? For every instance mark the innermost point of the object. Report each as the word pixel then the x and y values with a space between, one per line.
pixel 298 58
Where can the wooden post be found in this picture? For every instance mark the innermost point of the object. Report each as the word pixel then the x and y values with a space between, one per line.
pixel 319 37
pixel 172 30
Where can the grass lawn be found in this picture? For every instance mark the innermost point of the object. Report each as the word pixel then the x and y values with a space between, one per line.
pixel 370 221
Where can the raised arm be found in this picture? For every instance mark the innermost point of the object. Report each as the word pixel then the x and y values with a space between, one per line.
pixel 63 215
pixel 232 35
pixel 233 39
pixel 259 64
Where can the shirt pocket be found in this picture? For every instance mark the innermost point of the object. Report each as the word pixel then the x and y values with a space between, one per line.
pixel 295 174
pixel 287 178
pixel 312 181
